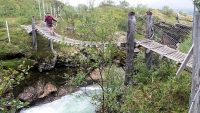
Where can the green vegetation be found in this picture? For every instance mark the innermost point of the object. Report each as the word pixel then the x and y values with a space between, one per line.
pixel 185 46
pixel 167 11
pixel 157 90
pixel 197 3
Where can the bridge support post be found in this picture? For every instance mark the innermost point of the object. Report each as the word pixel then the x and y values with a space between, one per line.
pixel 34 39
pixel 149 33
pixel 50 44
pixel 129 69
pixel 195 95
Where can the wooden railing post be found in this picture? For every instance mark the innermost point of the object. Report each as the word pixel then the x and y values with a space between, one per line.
pixel 51 9
pixel 54 12
pixel 34 40
pixel 47 8
pixel 50 44
pixel 40 13
pixel 149 33
pixel 195 107
pixel 129 69
pixel 8 33
pixel 44 13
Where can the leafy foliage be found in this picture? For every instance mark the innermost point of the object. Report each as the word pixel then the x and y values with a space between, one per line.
pixel 167 11
pixel 9 79
pixel 197 3
pixel 156 90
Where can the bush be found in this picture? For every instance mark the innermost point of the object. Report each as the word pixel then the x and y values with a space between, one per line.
pixel 167 11
pixel 156 91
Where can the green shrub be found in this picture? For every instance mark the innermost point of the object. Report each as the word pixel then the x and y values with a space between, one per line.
pixel 167 11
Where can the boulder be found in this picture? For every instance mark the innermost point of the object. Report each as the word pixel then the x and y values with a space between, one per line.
pixel 48 89
pixel 38 90
pixel 28 94
pixel 40 87
pixel 94 75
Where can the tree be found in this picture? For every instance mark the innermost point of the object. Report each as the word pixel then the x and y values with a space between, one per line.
pixel 91 4
pixel 167 10
pixel 82 7
pixel 197 4
pixel 108 2
pixel 124 4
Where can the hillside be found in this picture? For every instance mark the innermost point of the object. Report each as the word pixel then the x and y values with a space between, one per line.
pixel 155 90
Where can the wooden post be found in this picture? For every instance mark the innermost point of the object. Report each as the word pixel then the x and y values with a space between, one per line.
pixel 44 13
pixel 195 108
pixel 129 69
pixel 39 3
pixel 51 10
pixel 50 44
pixel 58 12
pixel 54 12
pixel 34 43
pixel 8 33
pixel 184 63
pixel 149 32
pixel 55 15
pixel 47 8
pixel 177 18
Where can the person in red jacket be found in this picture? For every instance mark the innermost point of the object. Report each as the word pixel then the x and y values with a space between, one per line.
pixel 49 21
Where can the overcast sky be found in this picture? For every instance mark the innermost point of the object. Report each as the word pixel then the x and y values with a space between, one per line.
pixel 175 4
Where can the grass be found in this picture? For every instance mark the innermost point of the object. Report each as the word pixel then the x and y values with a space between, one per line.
pixel 185 45
pixel 11 63
pixel 20 41
pixel 184 19
pixel 156 91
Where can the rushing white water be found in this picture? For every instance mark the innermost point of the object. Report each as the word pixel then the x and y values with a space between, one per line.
pixel 78 102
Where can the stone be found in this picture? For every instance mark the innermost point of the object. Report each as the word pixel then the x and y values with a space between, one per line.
pixel 40 87
pixel 39 90
pixel 28 94
pixel 48 89
pixel 61 91
pixel 94 75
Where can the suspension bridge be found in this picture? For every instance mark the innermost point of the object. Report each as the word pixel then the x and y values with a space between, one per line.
pixel 152 45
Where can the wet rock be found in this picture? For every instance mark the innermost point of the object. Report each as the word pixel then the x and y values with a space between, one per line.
pixel 61 91
pixel 94 75
pixel 40 87
pixel 28 94
pixel 48 89
pixel 39 90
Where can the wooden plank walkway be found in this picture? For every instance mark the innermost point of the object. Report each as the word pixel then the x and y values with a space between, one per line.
pixel 156 47
pixel 59 39
pixel 165 51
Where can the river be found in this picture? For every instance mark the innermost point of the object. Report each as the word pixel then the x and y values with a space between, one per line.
pixel 78 102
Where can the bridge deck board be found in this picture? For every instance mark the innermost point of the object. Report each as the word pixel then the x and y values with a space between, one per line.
pixel 166 51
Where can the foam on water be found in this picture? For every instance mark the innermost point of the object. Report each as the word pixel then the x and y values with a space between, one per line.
pixel 78 102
